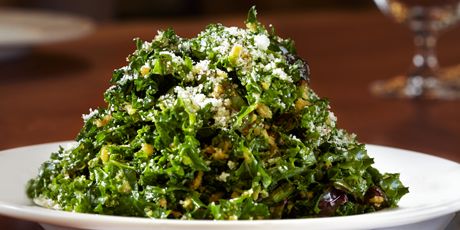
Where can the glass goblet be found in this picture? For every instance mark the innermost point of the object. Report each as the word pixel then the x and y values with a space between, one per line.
pixel 425 18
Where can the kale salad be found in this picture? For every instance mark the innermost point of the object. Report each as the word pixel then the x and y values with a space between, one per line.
pixel 221 126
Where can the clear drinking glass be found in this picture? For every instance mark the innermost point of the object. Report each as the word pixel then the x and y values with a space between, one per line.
pixel 425 18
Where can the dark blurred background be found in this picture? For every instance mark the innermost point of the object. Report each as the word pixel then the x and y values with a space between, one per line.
pixel 104 10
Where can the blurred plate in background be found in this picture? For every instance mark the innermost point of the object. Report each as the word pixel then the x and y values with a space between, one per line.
pixel 22 29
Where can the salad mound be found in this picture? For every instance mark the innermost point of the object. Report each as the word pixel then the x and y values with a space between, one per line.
pixel 220 126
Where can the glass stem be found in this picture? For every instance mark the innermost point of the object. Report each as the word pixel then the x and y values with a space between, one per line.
pixel 425 60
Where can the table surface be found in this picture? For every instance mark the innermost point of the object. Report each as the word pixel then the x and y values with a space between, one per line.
pixel 43 94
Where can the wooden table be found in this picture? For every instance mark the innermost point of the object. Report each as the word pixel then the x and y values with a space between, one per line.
pixel 43 95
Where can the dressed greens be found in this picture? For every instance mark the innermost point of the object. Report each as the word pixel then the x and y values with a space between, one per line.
pixel 220 126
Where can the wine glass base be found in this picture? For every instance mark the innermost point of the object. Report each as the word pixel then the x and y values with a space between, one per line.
pixel 418 87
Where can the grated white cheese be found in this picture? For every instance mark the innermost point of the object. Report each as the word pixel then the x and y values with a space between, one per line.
pixel 261 41
pixel 174 58
pixel 167 100
pixel 222 116
pixel 159 35
pixel 193 94
pixel 224 47
pixel 234 31
pixel 146 45
pixel 223 177
pixel 128 77
pixel 332 118
pixel 269 67
pixel 201 67
pixel 294 137
pixel 125 69
pixel 231 165
pixel 90 114
pixel 281 74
